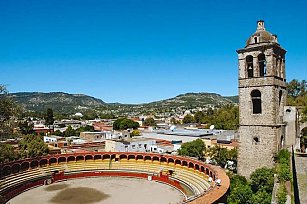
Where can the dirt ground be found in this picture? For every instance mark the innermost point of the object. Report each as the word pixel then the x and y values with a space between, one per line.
pixel 101 190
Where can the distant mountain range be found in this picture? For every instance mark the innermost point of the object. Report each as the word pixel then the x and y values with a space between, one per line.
pixel 71 103
pixel 58 101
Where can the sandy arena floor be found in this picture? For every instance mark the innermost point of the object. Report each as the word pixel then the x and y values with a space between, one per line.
pixel 104 190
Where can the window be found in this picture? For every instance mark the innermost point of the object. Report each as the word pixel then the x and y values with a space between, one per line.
pixel 249 66
pixel 262 65
pixel 256 140
pixel 256 100
pixel 280 96
pixel 133 146
pixel 255 38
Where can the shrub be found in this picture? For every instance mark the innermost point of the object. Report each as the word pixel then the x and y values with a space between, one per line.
pixel 283 168
pixel 135 133
pixel 241 194
pixel 262 178
pixel 283 156
pixel 261 197
pixel 282 195
pixel 284 173
pixel 237 180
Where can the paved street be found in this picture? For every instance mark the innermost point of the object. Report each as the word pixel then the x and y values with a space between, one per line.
pixel 301 169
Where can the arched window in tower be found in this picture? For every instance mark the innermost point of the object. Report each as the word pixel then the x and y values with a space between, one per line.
pixel 262 64
pixel 249 66
pixel 256 100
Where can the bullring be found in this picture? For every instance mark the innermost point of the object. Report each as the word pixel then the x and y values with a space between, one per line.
pixel 187 175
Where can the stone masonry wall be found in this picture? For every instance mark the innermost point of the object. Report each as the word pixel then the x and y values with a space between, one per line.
pixel 253 155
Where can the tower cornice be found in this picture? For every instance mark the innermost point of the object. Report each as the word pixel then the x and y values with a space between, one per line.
pixel 262 47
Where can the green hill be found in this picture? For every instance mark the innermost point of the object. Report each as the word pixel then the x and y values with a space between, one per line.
pixel 71 103
pixel 58 101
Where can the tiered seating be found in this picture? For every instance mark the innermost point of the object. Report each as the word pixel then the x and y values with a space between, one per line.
pixel 88 165
pixel 133 165
pixel 48 169
pixel 19 178
pixel 192 177
pixel 196 180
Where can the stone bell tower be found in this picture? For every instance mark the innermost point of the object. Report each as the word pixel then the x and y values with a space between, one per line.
pixel 262 96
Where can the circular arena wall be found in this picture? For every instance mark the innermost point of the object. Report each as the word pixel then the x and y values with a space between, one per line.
pixel 199 182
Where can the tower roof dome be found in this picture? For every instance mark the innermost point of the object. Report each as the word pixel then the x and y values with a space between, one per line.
pixel 261 35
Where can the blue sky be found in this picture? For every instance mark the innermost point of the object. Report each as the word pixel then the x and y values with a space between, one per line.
pixel 135 51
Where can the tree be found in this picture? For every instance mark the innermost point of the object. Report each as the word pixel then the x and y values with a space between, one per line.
pixel 107 116
pixel 124 124
pixel 135 133
pixel 194 148
pixel 174 121
pixel 58 133
pixel 241 194
pixel 297 93
pixel 90 115
pixel 261 197
pixel 293 88
pixel 237 180
pixel 9 110
pixel 150 122
pixel 226 118
pixel 199 116
pixel 262 178
pixel 258 191
pixel 188 119
pixel 7 153
pixel 218 154
pixel 49 117
pixel 304 113
pixel 233 154
pixel 69 132
pixel 86 128
pixel 26 127
pixel 32 146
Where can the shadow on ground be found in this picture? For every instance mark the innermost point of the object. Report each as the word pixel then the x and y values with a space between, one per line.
pixel 55 187
pixel 82 195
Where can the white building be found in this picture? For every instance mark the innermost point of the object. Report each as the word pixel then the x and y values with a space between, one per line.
pixel 130 145
pixel 52 139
